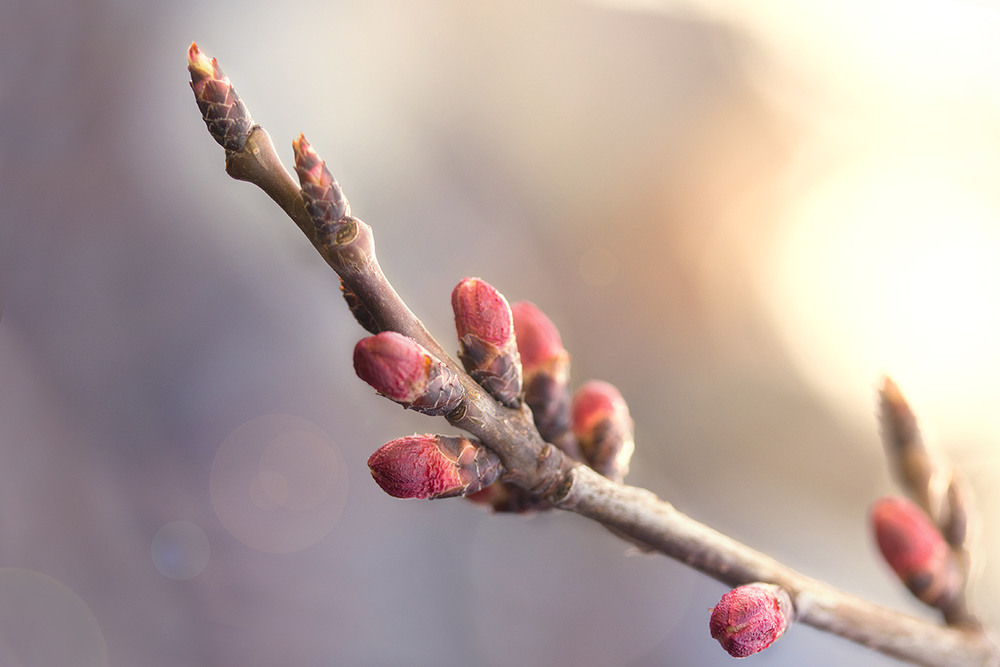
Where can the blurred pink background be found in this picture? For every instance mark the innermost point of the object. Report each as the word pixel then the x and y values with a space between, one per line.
pixel 740 213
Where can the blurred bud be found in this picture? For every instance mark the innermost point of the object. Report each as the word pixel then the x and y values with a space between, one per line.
pixel 603 427
pixel 955 523
pixel 323 198
pixel 359 309
pixel 401 369
pixel 912 464
pixel 545 367
pixel 224 113
pixel 749 618
pixel 433 466
pixel 487 346
pixel 916 551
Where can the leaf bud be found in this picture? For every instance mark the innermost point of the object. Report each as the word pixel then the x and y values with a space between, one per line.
pixel 401 369
pixel 323 198
pixel 750 618
pixel 224 113
pixel 433 466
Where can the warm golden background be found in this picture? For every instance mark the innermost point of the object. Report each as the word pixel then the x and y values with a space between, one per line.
pixel 741 213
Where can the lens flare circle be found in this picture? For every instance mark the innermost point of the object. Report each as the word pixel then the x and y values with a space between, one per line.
pixel 278 483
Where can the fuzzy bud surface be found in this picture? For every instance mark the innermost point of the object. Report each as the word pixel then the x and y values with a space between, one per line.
pixel 433 466
pixel 401 369
pixel 750 618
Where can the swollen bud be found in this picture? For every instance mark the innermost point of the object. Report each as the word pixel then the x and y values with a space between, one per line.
pixel 324 200
pixel 545 367
pixel 401 369
pixel 603 427
pixel 487 346
pixel 916 551
pixel 433 466
pixel 750 618
pixel 224 113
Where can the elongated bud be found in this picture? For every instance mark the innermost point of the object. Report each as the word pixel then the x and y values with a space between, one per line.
pixel 433 466
pixel 545 367
pixel 905 449
pixel 603 427
pixel 323 198
pixel 750 618
pixel 916 551
pixel 401 369
pixel 224 113
pixel 487 346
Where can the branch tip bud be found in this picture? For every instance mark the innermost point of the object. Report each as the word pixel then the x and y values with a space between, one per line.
pixel 750 618
pixel 223 111
pixel 402 370
pixel 433 466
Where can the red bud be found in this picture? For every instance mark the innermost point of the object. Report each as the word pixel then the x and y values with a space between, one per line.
pixel 487 347
pixel 916 551
pixel 603 427
pixel 224 113
pixel 433 466
pixel 401 369
pixel 750 618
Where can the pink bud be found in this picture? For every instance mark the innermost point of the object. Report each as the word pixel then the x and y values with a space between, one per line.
pixel 482 311
pixel 433 466
pixel 321 193
pixel 487 347
pixel 603 427
pixel 916 551
pixel 224 113
pixel 545 366
pixel 749 618
pixel 401 369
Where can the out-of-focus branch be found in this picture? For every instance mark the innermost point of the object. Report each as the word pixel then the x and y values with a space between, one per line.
pixel 319 209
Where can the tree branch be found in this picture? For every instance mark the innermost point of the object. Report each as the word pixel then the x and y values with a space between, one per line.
pixel 533 464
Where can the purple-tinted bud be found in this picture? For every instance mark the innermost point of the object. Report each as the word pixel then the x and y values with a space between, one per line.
pixel 324 200
pixel 487 346
pixel 433 466
pixel 224 113
pixel 603 428
pixel 401 369
pixel 749 618
pixel 916 551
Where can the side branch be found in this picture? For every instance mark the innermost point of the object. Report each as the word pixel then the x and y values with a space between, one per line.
pixel 639 514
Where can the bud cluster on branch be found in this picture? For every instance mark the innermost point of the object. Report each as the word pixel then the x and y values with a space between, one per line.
pixel 533 444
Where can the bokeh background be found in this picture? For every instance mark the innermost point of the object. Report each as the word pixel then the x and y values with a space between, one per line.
pixel 741 213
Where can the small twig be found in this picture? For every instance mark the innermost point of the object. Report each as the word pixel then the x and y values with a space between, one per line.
pixel 347 245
